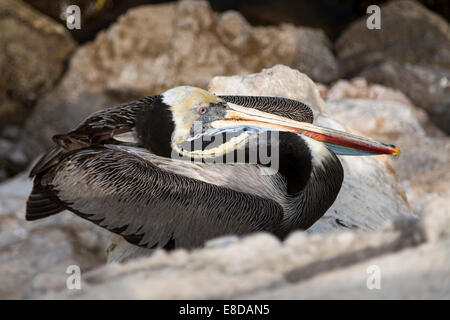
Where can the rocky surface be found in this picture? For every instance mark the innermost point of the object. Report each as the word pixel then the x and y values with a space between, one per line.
pixel 33 52
pixel 26 38
pixel 35 255
pixel 96 15
pixel 155 47
pixel 386 114
pixel 411 256
pixel 411 52
pixel 332 16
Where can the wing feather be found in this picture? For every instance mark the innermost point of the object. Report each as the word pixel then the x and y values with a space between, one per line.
pixel 103 125
pixel 149 206
pixel 284 107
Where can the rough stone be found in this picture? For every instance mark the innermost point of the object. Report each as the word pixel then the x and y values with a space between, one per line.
pixel 412 257
pixel 423 166
pixel 279 81
pixel 33 252
pixel 409 34
pixel 411 52
pixel 96 15
pixel 404 275
pixel 427 87
pixel 359 88
pixel 33 50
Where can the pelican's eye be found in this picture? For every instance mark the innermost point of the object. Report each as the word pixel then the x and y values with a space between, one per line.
pixel 202 108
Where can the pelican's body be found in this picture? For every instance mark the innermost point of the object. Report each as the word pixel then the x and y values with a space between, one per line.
pixel 150 188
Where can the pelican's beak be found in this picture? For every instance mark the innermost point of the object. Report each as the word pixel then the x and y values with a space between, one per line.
pixel 339 142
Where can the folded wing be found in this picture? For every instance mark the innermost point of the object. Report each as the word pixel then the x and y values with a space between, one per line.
pixel 129 195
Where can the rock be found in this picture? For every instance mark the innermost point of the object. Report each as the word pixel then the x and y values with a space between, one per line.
pixel 409 34
pixel 380 118
pixel 423 166
pixel 429 191
pixel 260 266
pixel 395 123
pixel 424 161
pixel 188 44
pixel 427 87
pixel 58 112
pixel 95 15
pixel 294 85
pixel 12 159
pixel 33 52
pixel 34 256
pixel 332 16
pixel 404 275
pixel 359 88
pixel 411 52
pixel 314 56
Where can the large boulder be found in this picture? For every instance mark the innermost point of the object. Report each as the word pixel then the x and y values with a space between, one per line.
pixel 411 258
pixel 155 47
pixel 33 52
pixel 411 52
pixel 95 15
pixel 386 114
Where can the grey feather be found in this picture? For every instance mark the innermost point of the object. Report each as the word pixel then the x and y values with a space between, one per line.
pixel 289 108
pixel 103 125
pixel 122 191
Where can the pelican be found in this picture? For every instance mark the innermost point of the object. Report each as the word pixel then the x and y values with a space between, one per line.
pixel 142 169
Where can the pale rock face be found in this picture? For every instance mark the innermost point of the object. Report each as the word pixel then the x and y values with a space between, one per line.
pixel 34 256
pixel 27 36
pixel 33 53
pixel 279 81
pixel 389 116
pixel 411 53
pixel 412 256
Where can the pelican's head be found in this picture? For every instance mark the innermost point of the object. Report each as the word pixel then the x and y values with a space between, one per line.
pixel 203 125
pixel 191 107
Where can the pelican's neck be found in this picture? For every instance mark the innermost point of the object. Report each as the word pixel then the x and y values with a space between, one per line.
pixel 154 126
pixel 324 181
